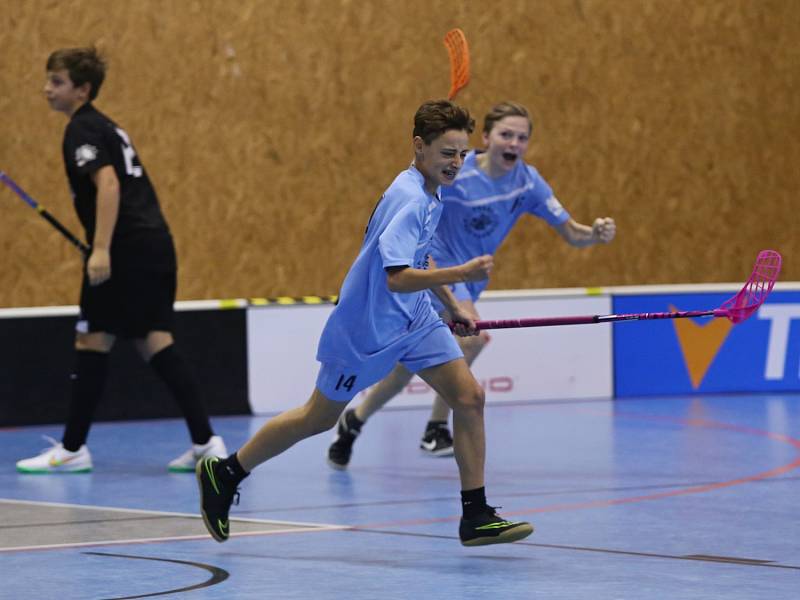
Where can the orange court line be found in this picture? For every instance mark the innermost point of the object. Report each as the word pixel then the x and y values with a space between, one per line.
pixel 692 422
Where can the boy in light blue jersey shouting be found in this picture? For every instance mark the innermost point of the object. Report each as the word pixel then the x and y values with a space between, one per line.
pixel 385 317
pixel 492 191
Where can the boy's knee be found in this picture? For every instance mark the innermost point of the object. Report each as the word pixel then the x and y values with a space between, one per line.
pixel 472 398
pixel 96 341
pixel 479 396
pixel 320 413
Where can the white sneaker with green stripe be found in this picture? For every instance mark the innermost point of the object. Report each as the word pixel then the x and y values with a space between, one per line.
pixel 187 461
pixel 56 459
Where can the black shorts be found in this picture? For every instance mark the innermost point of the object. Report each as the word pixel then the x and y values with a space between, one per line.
pixel 129 305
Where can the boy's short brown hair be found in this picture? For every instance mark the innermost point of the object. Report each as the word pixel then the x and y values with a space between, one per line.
pixel 83 65
pixel 435 117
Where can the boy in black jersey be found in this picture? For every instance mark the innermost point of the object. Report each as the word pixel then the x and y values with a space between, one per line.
pixel 130 278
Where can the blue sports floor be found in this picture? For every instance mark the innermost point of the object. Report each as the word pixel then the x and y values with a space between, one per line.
pixel 656 498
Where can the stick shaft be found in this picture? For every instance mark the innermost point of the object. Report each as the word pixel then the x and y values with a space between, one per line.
pixel 72 238
pixel 591 319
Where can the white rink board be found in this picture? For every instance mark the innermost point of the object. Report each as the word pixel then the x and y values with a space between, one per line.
pixel 547 363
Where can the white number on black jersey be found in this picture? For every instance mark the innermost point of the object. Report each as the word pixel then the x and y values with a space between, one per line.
pixel 130 154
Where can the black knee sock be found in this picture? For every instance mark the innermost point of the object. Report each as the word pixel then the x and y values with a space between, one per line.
pixel 175 372
pixel 231 471
pixel 88 381
pixel 473 502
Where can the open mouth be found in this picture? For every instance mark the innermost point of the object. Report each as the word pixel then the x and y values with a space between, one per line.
pixel 509 156
pixel 449 174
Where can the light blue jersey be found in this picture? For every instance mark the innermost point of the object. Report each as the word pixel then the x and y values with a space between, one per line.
pixel 370 322
pixel 479 212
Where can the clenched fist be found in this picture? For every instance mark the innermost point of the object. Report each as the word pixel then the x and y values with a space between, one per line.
pixel 478 268
pixel 604 230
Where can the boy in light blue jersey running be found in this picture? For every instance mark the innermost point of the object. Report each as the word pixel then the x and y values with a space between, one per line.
pixel 385 317
pixel 492 191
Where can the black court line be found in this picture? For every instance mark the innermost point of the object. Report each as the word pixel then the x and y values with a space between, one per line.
pixel 749 562
pixel 729 559
pixel 428 500
pixel 410 501
pixel 515 404
pixel 218 575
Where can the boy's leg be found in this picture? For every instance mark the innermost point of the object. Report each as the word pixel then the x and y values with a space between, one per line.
pixel 159 351
pixel 437 440
pixel 351 421
pixel 147 303
pixel 383 391
pixel 455 383
pixel 282 432
pixel 471 347
pixel 480 524
pixel 88 380
pixel 218 478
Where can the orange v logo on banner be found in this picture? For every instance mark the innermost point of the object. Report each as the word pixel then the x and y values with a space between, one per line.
pixel 700 344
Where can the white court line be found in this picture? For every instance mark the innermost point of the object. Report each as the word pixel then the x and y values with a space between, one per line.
pixel 155 512
pixel 292 527
pixel 133 541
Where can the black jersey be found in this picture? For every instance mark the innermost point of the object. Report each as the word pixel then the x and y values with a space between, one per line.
pixel 141 236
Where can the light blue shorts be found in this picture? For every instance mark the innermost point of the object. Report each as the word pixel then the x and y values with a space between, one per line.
pixel 342 382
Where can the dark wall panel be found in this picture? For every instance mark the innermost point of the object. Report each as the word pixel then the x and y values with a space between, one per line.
pixel 35 370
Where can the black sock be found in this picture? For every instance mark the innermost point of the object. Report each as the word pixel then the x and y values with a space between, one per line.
pixel 175 372
pixel 231 471
pixel 88 381
pixel 473 502
pixel 352 421
pixel 435 425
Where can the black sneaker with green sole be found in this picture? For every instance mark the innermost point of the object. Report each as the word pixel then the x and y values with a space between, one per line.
pixel 490 528
pixel 347 429
pixel 215 498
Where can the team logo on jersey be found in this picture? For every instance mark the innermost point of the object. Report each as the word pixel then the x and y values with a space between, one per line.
pixel 482 222
pixel 554 206
pixel 85 154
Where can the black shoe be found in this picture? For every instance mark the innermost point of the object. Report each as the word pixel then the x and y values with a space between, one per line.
pixel 347 430
pixel 437 441
pixel 215 498
pixel 490 528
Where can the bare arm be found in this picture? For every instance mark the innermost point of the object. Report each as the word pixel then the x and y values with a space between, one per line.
pixel 575 234
pixel 98 267
pixel 448 299
pixel 405 279
pixel 462 320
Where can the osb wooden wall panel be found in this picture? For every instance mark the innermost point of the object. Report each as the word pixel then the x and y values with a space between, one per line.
pixel 270 128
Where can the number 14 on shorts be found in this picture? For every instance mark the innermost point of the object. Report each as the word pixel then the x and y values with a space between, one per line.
pixel 345 382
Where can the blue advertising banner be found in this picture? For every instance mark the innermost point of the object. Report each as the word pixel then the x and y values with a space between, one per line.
pixel 706 355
